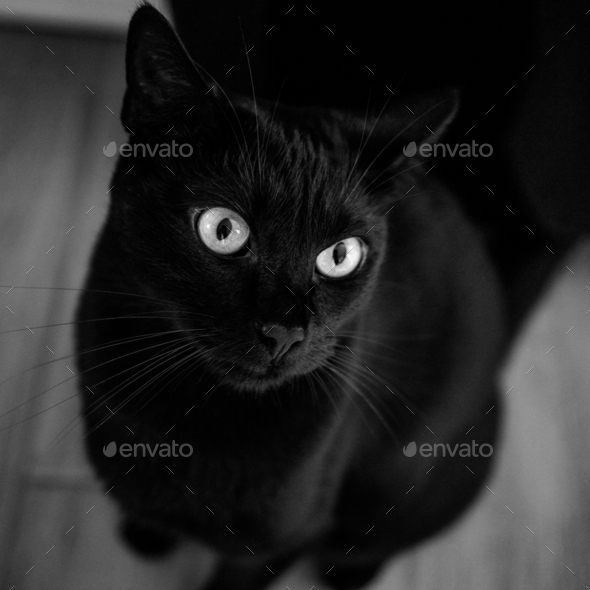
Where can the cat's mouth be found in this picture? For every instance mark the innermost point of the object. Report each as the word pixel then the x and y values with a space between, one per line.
pixel 261 378
pixel 256 370
pixel 264 377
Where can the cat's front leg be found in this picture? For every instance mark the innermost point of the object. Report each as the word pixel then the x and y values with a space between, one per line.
pixel 347 577
pixel 232 574
pixel 146 539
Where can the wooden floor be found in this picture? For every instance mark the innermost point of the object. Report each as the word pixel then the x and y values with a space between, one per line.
pixel 59 104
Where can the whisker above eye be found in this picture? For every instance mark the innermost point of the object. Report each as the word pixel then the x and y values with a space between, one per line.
pixel 254 97
pixel 246 155
pixel 363 146
pixel 269 127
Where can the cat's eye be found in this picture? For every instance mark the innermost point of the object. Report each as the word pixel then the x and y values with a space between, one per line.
pixel 340 259
pixel 222 230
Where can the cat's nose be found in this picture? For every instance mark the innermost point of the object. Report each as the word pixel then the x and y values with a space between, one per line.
pixel 280 339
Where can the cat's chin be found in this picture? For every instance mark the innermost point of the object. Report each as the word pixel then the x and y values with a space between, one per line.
pixel 247 381
pixel 257 384
pixel 264 379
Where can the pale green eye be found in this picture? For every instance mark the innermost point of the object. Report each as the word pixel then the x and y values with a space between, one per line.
pixel 222 230
pixel 341 258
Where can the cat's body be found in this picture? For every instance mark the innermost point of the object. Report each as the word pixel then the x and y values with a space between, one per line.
pixel 299 452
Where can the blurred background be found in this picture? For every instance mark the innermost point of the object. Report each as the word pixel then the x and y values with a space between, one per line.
pixel 61 88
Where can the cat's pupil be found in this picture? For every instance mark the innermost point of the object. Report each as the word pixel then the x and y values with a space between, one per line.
pixel 224 229
pixel 339 253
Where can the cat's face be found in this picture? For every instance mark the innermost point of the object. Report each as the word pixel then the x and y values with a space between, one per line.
pixel 269 238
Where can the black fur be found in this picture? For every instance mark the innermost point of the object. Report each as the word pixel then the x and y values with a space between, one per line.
pixel 303 456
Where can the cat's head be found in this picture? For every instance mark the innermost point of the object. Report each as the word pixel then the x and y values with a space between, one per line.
pixel 269 237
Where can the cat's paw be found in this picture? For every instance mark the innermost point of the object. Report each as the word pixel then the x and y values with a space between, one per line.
pixel 146 540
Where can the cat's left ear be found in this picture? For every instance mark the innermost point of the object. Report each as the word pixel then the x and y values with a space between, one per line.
pixel 163 82
pixel 430 120
pixel 432 116
pixel 397 133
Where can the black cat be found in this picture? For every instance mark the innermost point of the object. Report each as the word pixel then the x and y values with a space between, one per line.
pixel 298 303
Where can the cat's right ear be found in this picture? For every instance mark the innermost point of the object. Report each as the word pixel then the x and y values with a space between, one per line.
pixel 163 83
